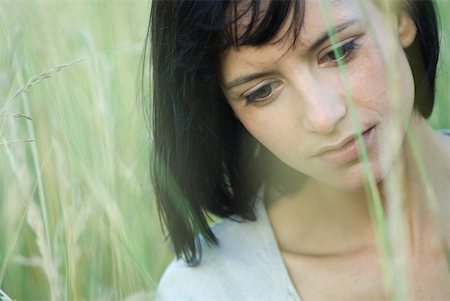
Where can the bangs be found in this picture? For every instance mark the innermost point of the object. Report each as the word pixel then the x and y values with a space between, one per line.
pixel 256 23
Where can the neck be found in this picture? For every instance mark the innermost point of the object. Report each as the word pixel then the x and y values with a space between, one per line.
pixel 320 219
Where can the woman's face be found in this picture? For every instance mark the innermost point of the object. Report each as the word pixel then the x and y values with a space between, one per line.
pixel 294 99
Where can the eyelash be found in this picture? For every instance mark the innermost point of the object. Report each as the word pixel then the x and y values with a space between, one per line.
pixel 252 98
pixel 345 50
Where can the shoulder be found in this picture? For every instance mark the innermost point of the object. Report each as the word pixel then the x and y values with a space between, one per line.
pixel 444 135
pixel 444 131
pixel 224 269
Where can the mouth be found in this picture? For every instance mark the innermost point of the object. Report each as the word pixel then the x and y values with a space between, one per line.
pixel 348 150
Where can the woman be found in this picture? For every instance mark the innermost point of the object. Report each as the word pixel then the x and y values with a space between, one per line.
pixel 296 121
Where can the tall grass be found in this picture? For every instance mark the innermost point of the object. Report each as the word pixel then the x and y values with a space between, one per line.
pixel 393 242
pixel 77 218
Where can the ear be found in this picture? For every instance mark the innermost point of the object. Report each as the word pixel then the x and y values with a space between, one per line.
pixel 407 29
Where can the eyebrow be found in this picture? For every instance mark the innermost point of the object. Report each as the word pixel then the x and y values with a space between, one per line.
pixel 324 36
pixel 246 78
pixel 320 40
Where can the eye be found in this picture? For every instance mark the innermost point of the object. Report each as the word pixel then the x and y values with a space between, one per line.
pixel 342 52
pixel 262 94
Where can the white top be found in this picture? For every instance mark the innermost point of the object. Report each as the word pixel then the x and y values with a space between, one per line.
pixel 246 265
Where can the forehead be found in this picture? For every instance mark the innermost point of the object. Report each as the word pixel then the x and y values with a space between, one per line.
pixel 265 57
pixel 257 23
pixel 299 25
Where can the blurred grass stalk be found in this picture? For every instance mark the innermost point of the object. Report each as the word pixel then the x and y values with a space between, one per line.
pixel 393 241
pixel 77 221
pixel 77 217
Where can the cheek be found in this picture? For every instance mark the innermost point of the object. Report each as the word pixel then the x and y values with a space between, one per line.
pixel 380 83
pixel 277 127
pixel 368 82
pixel 270 126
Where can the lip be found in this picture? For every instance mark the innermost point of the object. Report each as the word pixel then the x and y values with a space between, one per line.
pixel 347 150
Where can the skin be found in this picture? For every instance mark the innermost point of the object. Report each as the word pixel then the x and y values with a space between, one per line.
pixel 324 229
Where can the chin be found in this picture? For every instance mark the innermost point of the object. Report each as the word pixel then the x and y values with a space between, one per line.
pixel 355 178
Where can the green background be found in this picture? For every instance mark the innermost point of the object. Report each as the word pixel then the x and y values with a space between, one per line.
pixel 77 216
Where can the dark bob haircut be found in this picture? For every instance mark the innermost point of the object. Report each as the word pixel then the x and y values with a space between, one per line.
pixel 203 159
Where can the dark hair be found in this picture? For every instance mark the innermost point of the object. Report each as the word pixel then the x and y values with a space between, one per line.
pixel 423 55
pixel 203 158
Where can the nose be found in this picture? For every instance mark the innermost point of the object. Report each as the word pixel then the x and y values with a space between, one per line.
pixel 322 107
